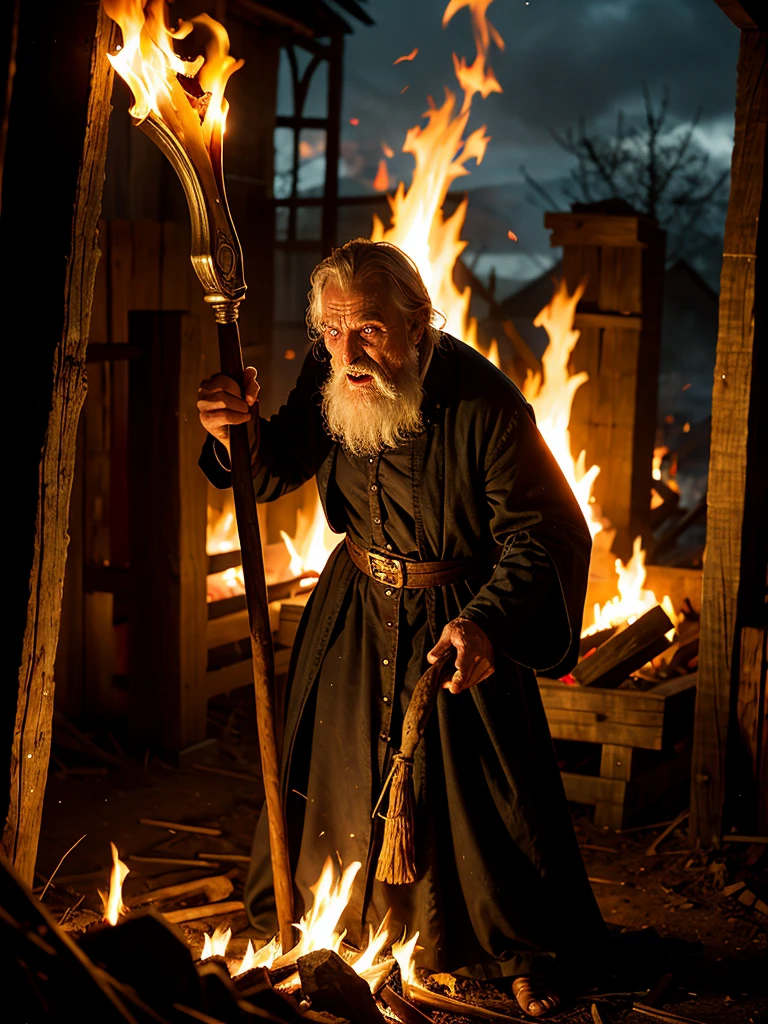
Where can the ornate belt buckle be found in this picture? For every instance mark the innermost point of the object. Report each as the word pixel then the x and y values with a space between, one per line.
pixel 385 570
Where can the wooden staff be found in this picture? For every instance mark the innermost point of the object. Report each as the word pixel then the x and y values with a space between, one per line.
pixel 231 358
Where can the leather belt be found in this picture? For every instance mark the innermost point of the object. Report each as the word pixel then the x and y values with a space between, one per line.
pixel 401 572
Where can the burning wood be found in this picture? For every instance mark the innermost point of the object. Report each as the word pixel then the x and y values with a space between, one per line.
pixel 626 651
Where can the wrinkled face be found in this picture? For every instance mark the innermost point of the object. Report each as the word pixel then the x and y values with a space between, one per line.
pixel 372 397
pixel 362 326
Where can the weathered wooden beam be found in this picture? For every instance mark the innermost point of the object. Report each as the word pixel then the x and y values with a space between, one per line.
pixel 745 14
pixel 168 560
pixel 52 185
pixel 737 505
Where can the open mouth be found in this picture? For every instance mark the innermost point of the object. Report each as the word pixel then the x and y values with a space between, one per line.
pixel 359 379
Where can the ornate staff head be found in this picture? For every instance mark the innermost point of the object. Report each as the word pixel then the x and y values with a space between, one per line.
pixel 179 103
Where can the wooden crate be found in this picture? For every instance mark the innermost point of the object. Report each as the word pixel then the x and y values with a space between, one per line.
pixel 644 739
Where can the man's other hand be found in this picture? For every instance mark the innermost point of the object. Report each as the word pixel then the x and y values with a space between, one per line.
pixel 220 403
pixel 474 654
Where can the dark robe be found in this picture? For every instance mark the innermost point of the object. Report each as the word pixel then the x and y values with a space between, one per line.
pixel 502 888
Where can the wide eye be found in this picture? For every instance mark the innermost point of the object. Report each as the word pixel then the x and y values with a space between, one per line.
pixel 332 332
pixel 369 332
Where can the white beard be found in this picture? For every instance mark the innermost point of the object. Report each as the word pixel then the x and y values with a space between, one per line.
pixel 380 415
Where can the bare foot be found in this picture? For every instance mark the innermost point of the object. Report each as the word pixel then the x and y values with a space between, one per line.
pixel 534 997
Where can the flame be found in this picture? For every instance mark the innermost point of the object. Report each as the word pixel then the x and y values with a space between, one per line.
pixel 633 600
pixel 312 543
pixel 318 926
pixel 157 75
pixel 441 151
pixel 113 903
pixel 403 952
pixel 381 181
pixel 658 455
pixel 552 394
pixel 216 944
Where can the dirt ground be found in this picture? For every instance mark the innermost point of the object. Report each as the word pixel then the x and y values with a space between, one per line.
pixel 672 913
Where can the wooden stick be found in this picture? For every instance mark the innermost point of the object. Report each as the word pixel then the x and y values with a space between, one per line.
pixel 173 862
pixel 651 1011
pixel 207 910
pixel 667 831
pixel 232 858
pixel 45 887
pixel 231 358
pixel 215 887
pixel 763 840
pixel 226 772
pixel 175 826
pixel 407 1012
pixel 447 1004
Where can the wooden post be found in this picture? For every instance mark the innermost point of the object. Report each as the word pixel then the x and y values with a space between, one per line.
pixel 619 317
pixel 52 186
pixel 167 528
pixel 730 731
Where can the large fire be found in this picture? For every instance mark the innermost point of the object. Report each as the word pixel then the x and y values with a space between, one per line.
pixel 442 150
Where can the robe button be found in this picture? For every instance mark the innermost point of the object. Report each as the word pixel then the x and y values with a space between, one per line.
pixel 374 488
pixel 371 459
pixel 385 699
pixel 388 593
pixel 385 661
pixel 389 625
pixel 383 736
pixel 389 547
pixel 376 520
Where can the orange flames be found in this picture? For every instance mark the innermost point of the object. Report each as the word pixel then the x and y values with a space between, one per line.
pixel 319 929
pixel 551 394
pixel 441 151
pixel 113 902
pixel 633 599
pixel 161 80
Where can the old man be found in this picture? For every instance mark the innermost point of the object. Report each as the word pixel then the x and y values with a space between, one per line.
pixel 461 536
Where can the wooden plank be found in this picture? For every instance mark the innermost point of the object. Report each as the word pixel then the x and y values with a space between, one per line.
pixel 591 789
pixel 616 761
pixel 745 14
pixel 644 737
pixel 168 561
pixel 222 680
pixel 732 590
pixel 624 321
pixel 227 629
pixel 626 651
pixel 615 702
pixel 51 233
pixel 751 707
pixel 120 260
pixel 174 266
pixel 596 229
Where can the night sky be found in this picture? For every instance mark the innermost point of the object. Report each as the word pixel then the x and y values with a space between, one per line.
pixel 563 59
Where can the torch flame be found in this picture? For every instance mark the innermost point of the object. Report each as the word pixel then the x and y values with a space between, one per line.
pixel 157 75
pixel 113 903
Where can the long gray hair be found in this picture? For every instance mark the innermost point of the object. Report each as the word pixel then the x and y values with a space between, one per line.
pixel 361 260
